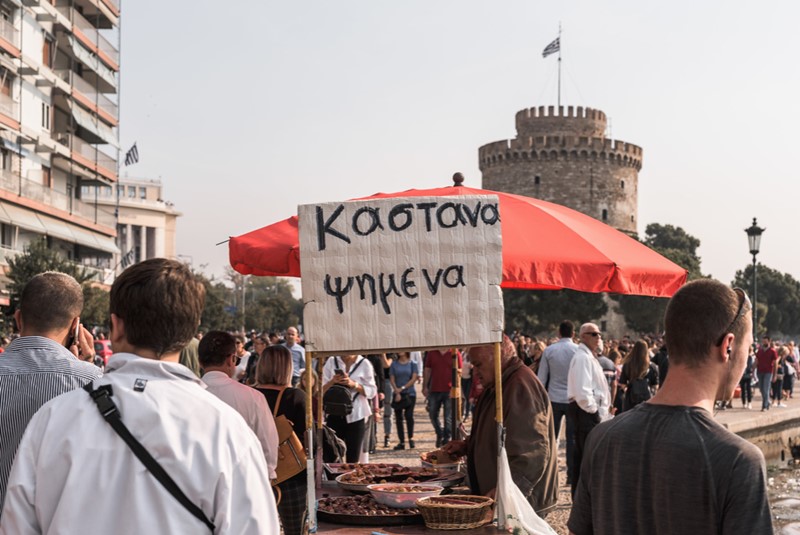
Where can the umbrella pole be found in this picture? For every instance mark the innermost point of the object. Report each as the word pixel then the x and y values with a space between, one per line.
pixel 455 398
pixel 311 498
pixel 498 402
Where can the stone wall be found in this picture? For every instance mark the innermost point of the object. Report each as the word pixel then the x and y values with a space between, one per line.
pixel 563 156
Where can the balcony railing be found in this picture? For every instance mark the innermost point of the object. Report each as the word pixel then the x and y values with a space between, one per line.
pixel 29 189
pixel 100 273
pixel 89 91
pixel 91 33
pixel 8 107
pixel 9 32
pixel 91 153
pixel 6 253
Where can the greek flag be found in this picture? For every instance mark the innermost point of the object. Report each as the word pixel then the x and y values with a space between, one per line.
pixel 132 156
pixel 552 48
pixel 129 258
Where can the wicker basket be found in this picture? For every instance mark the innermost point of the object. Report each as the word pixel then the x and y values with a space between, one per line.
pixel 456 516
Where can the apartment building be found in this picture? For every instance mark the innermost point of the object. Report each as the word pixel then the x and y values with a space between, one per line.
pixel 146 224
pixel 59 142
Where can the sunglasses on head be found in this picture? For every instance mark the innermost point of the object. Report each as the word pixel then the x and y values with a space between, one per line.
pixel 743 299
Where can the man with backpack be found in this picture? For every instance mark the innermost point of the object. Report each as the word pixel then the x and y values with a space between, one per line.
pixel 167 456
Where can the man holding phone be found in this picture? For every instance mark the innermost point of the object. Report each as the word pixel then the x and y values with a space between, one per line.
pixel 45 361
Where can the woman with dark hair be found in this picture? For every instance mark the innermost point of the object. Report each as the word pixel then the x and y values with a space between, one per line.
pixel 354 373
pixel 273 378
pixel 403 374
pixel 537 349
pixel 639 377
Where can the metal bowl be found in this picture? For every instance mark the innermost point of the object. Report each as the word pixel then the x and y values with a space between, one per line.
pixel 398 496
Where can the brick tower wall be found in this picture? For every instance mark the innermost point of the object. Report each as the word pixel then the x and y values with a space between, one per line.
pixel 562 156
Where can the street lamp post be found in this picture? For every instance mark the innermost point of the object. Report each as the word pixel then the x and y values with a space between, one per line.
pixel 754 240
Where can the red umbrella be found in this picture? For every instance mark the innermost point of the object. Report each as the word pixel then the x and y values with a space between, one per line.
pixel 545 246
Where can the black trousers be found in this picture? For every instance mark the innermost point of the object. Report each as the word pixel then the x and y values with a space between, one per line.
pixel 407 414
pixel 352 434
pixel 583 423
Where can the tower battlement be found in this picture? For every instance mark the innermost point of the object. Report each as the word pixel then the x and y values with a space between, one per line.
pixel 561 154
pixel 551 148
pixel 561 121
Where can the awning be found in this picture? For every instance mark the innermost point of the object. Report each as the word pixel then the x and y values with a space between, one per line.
pixel 56 228
pixel 103 132
pixel 94 240
pixel 22 218
pixel 11 145
pixel 92 61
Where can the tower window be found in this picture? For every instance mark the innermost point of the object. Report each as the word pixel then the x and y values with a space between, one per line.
pixel 622 184
pixel 605 214
pixel 537 180
pixel 631 219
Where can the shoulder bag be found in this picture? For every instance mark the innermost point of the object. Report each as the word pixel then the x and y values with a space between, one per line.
pixel 108 409
pixel 291 454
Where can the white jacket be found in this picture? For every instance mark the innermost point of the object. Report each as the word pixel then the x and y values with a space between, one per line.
pixel 74 474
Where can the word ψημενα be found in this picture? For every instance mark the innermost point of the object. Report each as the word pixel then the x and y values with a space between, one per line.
pixel 378 288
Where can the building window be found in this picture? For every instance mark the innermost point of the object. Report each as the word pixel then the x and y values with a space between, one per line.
pixel 537 180
pixel 132 192
pixel 142 193
pixel 603 326
pixel 622 184
pixel 605 214
pixel 120 191
pixel 45 116
pixel 5 159
pixel 632 219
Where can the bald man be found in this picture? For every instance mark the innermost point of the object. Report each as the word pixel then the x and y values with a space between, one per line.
pixel 587 389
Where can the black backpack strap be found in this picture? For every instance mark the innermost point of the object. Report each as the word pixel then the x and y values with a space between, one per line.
pixel 107 407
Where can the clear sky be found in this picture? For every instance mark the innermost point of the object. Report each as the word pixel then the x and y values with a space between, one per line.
pixel 246 109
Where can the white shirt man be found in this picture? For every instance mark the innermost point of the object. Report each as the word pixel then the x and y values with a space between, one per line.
pixel 298 354
pixel 587 388
pixel 218 359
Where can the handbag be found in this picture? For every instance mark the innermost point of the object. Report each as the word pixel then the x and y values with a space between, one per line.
pixel 405 401
pixel 291 454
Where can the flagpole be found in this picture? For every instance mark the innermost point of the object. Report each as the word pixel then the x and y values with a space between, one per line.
pixel 559 64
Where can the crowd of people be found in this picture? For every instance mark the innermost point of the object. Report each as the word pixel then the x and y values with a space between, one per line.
pixel 632 408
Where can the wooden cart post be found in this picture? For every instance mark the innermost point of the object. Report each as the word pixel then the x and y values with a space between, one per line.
pixel 498 401
pixel 455 398
pixel 311 495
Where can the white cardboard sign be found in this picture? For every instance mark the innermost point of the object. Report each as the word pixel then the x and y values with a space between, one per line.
pixel 401 273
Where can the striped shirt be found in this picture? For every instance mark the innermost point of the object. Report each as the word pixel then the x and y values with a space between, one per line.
pixel 33 370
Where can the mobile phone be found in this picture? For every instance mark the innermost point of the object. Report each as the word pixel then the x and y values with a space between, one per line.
pixel 339 372
pixel 73 339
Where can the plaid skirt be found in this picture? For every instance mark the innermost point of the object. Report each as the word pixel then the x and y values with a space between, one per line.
pixel 292 507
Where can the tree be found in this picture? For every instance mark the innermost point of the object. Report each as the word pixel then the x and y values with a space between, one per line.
pixel 217 313
pixel 778 299
pixel 263 303
pixel 38 258
pixel 96 308
pixel 646 314
pixel 541 311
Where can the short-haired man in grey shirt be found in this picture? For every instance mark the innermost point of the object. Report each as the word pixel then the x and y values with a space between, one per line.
pixel 553 371
pixel 667 466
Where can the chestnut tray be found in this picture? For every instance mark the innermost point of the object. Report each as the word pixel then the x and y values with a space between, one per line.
pixel 446 478
pixel 399 519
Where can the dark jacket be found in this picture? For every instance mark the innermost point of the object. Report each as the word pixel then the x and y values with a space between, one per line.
pixel 530 438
